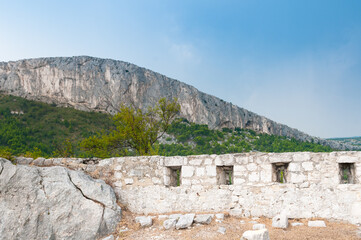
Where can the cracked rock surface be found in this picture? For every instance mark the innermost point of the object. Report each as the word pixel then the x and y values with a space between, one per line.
pixel 54 203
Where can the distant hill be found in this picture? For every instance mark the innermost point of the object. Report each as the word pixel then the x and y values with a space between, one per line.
pixel 35 128
pixel 355 141
pixel 95 84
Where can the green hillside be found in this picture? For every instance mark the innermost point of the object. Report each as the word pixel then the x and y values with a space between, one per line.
pixel 37 129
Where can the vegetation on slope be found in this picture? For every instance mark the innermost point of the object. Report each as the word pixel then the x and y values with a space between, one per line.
pixel 190 139
pixel 30 128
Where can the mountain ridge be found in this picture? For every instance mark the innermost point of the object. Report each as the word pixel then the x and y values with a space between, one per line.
pixel 96 84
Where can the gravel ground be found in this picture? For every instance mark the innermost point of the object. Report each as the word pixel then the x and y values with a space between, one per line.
pixel 234 230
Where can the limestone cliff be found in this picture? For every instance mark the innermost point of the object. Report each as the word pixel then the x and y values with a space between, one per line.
pixel 95 84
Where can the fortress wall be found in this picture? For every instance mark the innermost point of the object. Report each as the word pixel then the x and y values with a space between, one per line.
pixel 314 184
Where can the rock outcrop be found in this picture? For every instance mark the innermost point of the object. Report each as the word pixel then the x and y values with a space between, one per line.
pixel 54 203
pixel 88 83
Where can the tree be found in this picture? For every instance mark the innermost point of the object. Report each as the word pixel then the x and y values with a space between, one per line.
pixel 135 130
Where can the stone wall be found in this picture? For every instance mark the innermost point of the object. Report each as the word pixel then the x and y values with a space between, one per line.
pixel 312 183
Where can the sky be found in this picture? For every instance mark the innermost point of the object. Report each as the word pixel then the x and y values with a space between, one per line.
pixel 295 62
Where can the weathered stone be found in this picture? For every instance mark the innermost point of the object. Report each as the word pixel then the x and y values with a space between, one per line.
pixel 280 221
pixel 187 171
pixel 261 234
pixel 222 230
pixel 169 223
pixel 60 204
pixel 203 218
pixel 175 216
pixel 317 223
pixel 220 216
pixel 296 224
pixel 258 226
pixel 144 221
pixel 128 181
pixel 110 237
pixel 185 221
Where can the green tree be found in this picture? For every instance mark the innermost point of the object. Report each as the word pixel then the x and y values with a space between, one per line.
pixel 135 129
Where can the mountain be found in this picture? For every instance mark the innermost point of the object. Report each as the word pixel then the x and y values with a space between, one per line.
pixel 95 84
pixel 355 141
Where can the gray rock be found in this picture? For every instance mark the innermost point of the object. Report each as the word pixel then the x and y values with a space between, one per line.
pixel 318 223
pixel 261 234
pixel 280 221
pixel 220 216
pixel 203 218
pixel 253 222
pixel 258 226
pixel 110 237
pixel 175 216
pixel 161 217
pixel 170 223
pixel 185 221
pixel 60 204
pixel 89 81
pixel 222 230
pixel 296 224
pixel 144 221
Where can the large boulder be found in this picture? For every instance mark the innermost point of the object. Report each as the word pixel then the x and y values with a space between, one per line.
pixel 54 203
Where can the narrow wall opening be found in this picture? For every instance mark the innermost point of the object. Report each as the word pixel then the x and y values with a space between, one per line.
pixel 175 173
pixel 347 173
pixel 225 175
pixel 279 172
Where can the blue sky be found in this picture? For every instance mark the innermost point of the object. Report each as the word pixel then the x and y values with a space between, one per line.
pixel 295 62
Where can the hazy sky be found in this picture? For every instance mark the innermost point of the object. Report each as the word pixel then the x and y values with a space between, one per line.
pixel 295 62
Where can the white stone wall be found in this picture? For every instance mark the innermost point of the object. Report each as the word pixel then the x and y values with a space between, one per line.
pixel 313 186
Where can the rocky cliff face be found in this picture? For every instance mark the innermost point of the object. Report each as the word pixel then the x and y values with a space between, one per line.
pixel 88 83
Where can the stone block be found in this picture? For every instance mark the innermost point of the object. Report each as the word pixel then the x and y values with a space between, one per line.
pixel 301 157
pixel 347 159
pixel 128 181
pixel 187 171
pixel 200 171
pixel 251 167
pixel 195 162
pixel 238 213
pixel 296 224
pixel 296 177
pixel 220 216
pixel 316 223
pixel 203 218
pixel 238 181
pixel 239 170
pixel 261 234
pixel 258 226
pixel 144 221
pixel 211 171
pixel 185 221
pixel 173 161
pixel 208 161
pixel 170 223
pixel 294 167
pixel 253 177
pixel 307 166
pixel 222 230
pixel 175 216
pixel 280 221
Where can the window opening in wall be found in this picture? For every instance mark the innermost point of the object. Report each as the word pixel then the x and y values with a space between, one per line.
pixel 175 176
pixel 225 175
pixel 347 173
pixel 280 172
